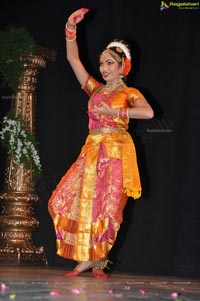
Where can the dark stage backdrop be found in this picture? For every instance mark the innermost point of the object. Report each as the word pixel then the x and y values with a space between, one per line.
pixel 160 232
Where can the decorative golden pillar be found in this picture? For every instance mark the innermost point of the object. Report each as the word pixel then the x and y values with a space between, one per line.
pixel 17 220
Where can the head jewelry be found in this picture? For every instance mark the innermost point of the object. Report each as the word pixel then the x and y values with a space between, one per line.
pixel 117 47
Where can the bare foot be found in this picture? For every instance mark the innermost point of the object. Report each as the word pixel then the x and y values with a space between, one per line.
pixel 99 273
pixel 80 268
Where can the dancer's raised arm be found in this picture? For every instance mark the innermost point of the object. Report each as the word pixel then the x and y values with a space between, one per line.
pixel 72 47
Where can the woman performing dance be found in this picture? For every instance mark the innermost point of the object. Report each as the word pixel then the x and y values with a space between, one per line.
pixel 87 205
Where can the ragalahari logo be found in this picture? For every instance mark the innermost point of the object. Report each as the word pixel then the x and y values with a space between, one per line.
pixel 164 5
pixel 179 5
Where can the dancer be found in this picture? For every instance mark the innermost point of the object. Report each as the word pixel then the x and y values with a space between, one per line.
pixel 87 204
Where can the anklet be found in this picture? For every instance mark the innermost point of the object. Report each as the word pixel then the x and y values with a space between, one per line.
pixel 101 264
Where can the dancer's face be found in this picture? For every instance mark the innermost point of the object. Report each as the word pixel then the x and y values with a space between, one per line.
pixel 110 68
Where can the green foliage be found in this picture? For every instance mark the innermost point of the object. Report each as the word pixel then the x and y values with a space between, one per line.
pixel 15 44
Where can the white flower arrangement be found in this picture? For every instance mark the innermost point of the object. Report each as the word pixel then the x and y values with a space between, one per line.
pixel 20 142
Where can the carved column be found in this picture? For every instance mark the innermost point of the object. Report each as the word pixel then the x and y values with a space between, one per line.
pixel 17 220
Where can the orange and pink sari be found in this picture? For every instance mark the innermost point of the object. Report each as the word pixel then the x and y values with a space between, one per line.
pixel 87 205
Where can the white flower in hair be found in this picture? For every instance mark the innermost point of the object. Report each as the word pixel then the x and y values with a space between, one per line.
pixel 121 45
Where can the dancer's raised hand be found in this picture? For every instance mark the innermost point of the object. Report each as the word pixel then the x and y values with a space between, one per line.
pixel 77 16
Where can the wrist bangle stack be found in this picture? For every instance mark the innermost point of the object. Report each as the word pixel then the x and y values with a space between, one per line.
pixel 123 113
pixel 127 113
pixel 70 34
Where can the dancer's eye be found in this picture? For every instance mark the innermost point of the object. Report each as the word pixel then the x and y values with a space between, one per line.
pixel 110 62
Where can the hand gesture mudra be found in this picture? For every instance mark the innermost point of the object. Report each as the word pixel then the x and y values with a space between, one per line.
pixel 102 108
pixel 77 16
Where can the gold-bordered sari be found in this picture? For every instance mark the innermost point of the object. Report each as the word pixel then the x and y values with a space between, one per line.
pixel 87 204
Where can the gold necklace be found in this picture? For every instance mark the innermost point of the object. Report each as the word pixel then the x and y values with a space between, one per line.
pixel 108 90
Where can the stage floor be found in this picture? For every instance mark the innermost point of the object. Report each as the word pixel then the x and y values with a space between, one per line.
pixel 46 283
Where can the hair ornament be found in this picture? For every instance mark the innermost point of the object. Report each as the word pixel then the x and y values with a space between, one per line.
pixel 122 46
pixel 127 67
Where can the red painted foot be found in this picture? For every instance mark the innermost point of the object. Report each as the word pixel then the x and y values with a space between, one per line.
pixel 73 273
pixel 100 274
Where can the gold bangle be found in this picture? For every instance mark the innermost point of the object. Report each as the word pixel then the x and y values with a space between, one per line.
pixel 70 40
pixel 127 113
pixel 70 30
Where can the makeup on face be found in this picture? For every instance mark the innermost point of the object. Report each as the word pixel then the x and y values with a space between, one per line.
pixel 109 67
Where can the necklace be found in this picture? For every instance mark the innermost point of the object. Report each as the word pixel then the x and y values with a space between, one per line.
pixel 111 88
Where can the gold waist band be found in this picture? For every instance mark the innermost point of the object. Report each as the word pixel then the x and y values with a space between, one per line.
pixel 106 131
